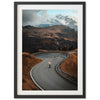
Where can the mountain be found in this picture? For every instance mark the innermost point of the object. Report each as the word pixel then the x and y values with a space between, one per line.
pixel 43 25
pixel 60 20
pixel 57 37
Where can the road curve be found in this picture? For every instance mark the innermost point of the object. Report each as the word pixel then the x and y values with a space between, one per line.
pixel 47 78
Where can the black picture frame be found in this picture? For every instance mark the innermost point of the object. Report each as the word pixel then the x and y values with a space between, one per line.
pixel 15 50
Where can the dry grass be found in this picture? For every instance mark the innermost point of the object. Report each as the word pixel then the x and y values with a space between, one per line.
pixel 70 65
pixel 28 62
pixel 75 50
pixel 42 50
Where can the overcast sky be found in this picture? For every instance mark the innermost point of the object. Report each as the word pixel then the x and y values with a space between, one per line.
pixel 36 17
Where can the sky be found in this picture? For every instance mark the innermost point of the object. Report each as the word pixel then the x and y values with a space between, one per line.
pixel 36 17
pixel 62 12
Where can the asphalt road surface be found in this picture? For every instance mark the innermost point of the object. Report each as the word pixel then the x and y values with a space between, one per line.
pixel 47 78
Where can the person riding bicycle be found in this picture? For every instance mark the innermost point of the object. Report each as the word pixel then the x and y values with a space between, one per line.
pixel 49 64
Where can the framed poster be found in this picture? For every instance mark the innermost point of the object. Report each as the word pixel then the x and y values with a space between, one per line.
pixel 49 50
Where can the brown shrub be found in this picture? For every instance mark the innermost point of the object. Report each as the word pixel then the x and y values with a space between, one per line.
pixel 28 61
pixel 70 65
pixel 75 50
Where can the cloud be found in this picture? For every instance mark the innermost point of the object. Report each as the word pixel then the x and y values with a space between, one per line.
pixel 44 17
pixel 30 17
pixel 35 17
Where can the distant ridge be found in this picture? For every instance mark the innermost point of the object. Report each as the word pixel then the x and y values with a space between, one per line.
pixel 48 38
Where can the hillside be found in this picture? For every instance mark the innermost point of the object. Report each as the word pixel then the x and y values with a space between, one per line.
pixel 28 62
pixel 57 37
pixel 70 65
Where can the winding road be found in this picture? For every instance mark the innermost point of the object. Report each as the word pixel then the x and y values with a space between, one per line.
pixel 47 78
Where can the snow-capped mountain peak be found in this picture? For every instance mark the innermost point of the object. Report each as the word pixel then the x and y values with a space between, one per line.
pixel 69 21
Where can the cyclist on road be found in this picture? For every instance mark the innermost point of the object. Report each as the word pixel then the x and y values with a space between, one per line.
pixel 49 64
